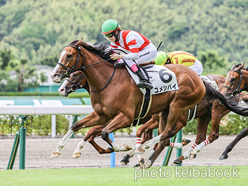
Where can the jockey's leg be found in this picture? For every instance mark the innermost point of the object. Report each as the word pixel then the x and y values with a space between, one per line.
pixel 140 72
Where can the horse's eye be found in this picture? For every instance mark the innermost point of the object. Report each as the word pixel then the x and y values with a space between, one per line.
pixel 233 80
pixel 69 56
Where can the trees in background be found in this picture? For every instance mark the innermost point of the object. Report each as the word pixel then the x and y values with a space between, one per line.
pixel 215 31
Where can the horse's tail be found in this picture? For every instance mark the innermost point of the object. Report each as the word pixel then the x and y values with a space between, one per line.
pixel 211 93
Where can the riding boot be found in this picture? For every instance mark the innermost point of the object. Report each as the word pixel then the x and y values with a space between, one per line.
pixel 144 80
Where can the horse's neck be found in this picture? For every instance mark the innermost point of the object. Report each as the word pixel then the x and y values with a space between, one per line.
pixel 98 75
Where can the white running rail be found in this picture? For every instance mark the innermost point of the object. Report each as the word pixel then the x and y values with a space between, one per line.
pixel 47 110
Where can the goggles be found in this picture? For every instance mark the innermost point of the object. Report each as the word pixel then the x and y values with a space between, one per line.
pixel 109 35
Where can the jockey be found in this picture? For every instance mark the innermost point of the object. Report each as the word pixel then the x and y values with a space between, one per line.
pixel 141 49
pixel 179 57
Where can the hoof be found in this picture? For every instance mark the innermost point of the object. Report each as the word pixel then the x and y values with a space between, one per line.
pixel 54 155
pixel 185 141
pixel 177 161
pixel 111 149
pixel 137 165
pixel 127 148
pixel 76 155
pixel 123 163
pixel 141 161
pixel 125 160
pixel 192 156
pixel 147 146
pixel 146 165
pixel 223 157
pixel 139 150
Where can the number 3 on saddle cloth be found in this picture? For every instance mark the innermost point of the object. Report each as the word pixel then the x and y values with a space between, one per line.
pixel 162 79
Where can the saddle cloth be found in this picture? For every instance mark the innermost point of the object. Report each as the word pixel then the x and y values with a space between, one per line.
pixel 162 79
pixel 210 81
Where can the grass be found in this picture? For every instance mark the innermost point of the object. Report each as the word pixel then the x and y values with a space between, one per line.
pixel 126 176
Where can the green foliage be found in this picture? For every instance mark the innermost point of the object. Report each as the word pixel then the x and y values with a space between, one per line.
pixel 39 30
pixel 212 62
pixel 177 29
pixel 41 125
pixel 50 61
pixel 5 57
pixel 238 3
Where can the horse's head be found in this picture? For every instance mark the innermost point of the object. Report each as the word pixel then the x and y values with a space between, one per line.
pixel 236 81
pixel 74 82
pixel 69 61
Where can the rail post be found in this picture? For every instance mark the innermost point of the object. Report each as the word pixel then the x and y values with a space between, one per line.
pixel 179 140
pixel 14 151
pixel 112 155
pixel 74 121
pixel 22 143
pixel 168 152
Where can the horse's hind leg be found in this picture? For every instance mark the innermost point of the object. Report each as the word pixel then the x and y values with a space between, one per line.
pixel 90 135
pixel 229 148
pixel 181 122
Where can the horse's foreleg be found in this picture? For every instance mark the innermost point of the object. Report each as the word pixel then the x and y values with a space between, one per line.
pixel 152 156
pixel 202 126
pixel 229 148
pixel 89 121
pixel 89 136
pixel 120 121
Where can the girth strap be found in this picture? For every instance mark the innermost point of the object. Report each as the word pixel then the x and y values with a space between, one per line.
pixel 147 99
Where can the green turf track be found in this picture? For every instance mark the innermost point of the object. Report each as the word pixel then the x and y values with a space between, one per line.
pixel 124 176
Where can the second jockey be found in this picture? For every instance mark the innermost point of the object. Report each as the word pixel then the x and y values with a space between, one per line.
pixel 180 57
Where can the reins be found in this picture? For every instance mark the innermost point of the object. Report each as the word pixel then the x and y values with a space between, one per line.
pixel 71 70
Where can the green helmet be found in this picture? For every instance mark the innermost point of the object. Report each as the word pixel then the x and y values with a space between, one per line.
pixel 161 58
pixel 109 26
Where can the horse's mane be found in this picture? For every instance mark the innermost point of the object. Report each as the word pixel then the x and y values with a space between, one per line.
pixel 101 50
pixel 246 68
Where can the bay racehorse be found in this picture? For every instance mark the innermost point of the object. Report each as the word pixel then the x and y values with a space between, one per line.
pixel 115 96
pixel 78 81
pixel 236 82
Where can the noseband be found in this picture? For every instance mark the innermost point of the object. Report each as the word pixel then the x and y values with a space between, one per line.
pixel 238 89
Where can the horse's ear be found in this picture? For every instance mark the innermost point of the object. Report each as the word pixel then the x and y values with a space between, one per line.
pixel 79 42
pixel 240 66
pixel 234 65
pixel 243 63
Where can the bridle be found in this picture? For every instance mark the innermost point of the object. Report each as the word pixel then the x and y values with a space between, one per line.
pixel 238 89
pixel 72 69
pixel 76 84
